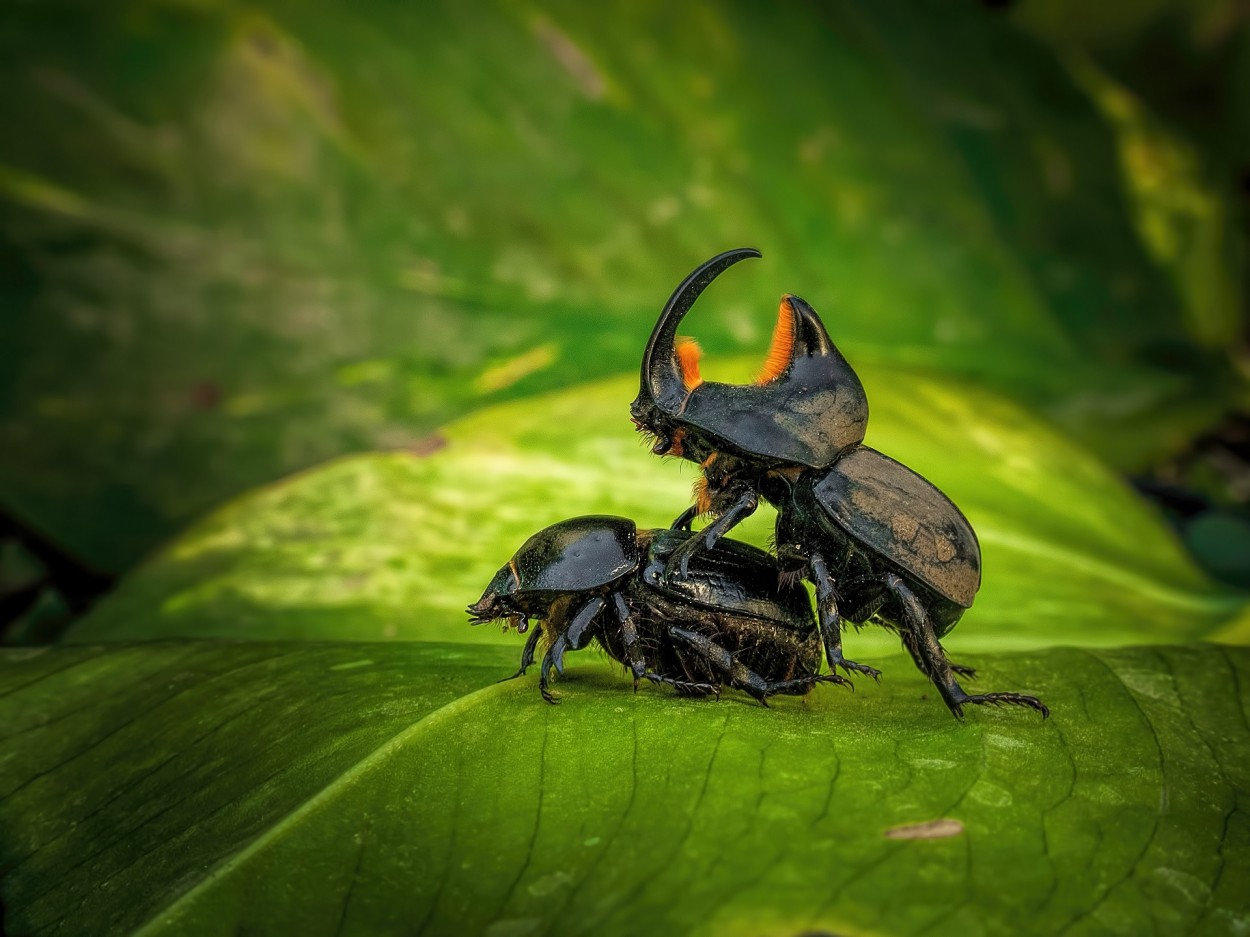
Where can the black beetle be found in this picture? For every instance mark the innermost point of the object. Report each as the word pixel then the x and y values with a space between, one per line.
pixel 732 620
pixel 873 536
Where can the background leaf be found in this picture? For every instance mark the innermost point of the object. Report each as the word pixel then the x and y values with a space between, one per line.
pixel 307 231
pixel 135 795
pixel 395 546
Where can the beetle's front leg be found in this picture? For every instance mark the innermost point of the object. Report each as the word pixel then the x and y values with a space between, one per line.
pixel 707 538
pixel 685 519
pixel 574 637
pixel 527 654
pixel 831 622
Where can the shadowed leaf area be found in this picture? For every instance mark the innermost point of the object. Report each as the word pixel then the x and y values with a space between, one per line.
pixel 306 230
pixel 199 788
pixel 395 545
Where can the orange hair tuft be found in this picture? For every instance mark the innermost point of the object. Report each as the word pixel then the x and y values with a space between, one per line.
pixel 675 447
pixel 778 358
pixel 702 500
pixel 688 355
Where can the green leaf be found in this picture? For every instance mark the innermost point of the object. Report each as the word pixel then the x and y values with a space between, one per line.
pixel 394 546
pixel 192 788
pixel 304 230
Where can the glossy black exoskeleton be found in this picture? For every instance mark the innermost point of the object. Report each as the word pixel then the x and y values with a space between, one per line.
pixel 877 540
pixel 732 620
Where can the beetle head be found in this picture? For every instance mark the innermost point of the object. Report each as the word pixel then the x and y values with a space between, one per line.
pixel 500 601
pixel 806 407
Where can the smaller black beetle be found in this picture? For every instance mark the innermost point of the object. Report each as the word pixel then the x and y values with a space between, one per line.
pixel 733 620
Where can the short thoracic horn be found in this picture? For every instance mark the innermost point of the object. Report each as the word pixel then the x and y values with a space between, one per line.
pixel 661 373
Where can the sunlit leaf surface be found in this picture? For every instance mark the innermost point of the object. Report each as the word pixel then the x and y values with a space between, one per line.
pixel 395 546
pixel 204 788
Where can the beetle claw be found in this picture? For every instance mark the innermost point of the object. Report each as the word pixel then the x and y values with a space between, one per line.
pixel 1000 699
pixel 851 666
pixel 837 679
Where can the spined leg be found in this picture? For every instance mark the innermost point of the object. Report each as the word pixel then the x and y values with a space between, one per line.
pixel 527 654
pixel 872 603
pixel 574 637
pixel 629 637
pixel 695 689
pixel 920 639
pixel 742 677
pixel 706 539
pixel 831 622
pixel 686 518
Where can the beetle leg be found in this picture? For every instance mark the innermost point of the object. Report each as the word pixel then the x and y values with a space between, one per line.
pixel 739 675
pixel 686 518
pixel 576 634
pixel 527 655
pixel 871 604
pixel 920 639
pixel 629 637
pixel 707 538
pixel 696 689
pixel 544 670
pixel 574 637
pixel 831 621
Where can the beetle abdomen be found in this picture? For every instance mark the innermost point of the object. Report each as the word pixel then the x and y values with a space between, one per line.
pixel 775 649
pixel 888 508
pixel 733 577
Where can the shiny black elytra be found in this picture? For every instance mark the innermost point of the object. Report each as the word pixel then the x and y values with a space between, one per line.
pixel 877 540
pixel 731 620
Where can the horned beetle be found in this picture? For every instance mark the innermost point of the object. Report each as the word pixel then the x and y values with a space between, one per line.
pixel 878 541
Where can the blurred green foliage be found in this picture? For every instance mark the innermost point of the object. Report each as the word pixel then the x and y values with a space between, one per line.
pixel 394 546
pixel 1188 60
pixel 240 238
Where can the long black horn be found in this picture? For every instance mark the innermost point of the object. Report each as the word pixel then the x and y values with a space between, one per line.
pixel 661 375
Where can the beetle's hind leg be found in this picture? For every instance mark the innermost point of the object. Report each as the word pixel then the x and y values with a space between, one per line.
pixel 683 686
pixel 831 621
pixel 738 675
pixel 629 638
pixel 921 641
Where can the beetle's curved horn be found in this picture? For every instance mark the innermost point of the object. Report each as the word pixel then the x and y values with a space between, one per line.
pixel 661 378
